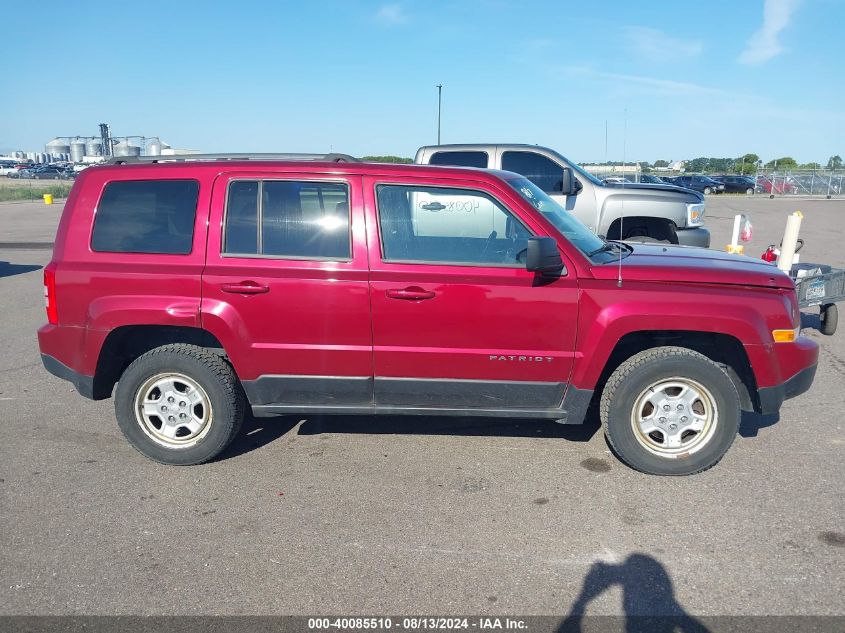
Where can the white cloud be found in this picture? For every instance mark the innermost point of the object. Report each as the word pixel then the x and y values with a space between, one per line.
pixel 653 85
pixel 764 44
pixel 391 15
pixel 656 45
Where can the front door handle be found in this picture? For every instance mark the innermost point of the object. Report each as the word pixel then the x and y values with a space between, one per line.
pixel 245 288
pixel 411 294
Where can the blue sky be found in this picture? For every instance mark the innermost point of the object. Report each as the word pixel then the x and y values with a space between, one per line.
pixel 719 78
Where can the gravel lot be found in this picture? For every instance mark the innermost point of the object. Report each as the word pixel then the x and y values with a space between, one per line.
pixel 318 515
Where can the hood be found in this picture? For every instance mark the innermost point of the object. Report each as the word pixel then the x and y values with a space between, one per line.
pixel 688 264
pixel 647 186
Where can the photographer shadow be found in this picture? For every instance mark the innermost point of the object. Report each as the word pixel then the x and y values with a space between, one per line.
pixel 648 597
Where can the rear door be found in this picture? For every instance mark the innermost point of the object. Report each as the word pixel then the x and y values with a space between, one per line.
pixel 458 322
pixel 285 287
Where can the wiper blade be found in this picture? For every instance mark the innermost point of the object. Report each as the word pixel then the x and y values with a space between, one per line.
pixel 608 246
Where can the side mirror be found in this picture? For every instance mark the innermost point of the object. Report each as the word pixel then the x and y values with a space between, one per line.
pixel 543 256
pixel 570 185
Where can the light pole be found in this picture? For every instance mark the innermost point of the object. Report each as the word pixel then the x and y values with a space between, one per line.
pixel 439 92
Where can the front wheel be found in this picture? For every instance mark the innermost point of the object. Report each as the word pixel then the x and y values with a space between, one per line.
pixel 179 404
pixel 707 190
pixel 670 411
pixel 749 191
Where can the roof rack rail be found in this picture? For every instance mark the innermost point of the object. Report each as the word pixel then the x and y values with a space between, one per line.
pixel 330 158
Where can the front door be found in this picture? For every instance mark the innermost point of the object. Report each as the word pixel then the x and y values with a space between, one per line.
pixel 458 322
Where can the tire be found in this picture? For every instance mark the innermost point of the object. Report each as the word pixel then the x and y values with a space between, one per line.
pixel 707 191
pixel 688 383
pixel 829 318
pixel 749 191
pixel 213 405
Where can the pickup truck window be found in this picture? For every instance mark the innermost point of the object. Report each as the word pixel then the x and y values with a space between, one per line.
pixel 460 159
pixel 440 225
pixel 543 172
pixel 287 219
pixel 569 226
pixel 146 216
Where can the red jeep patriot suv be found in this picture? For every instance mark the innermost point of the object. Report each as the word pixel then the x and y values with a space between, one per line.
pixel 202 286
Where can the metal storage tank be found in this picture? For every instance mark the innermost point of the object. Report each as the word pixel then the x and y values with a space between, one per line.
pixel 77 151
pixel 123 148
pixel 154 148
pixel 57 146
pixel 94 147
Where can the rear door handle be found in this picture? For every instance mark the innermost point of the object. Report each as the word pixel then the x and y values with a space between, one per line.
pixel 246 288
pixel 411 294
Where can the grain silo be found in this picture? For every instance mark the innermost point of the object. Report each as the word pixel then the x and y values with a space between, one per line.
pixel 77 150
pixel 57 147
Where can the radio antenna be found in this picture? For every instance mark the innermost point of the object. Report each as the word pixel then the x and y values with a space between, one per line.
pixel 622 210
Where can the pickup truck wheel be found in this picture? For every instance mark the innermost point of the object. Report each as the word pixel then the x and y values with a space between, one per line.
pixel 670 411
pixel 179 404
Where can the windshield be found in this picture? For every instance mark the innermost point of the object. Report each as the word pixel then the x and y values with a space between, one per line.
pixel 568 225
pixel 585 174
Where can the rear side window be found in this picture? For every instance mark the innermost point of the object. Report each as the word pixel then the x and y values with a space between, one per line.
pixel 543 172
pixel 287 219
pixel 459 159
pixel 146 216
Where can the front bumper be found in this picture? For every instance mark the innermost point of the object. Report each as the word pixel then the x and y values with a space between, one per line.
pixel 698 236
pixel 771 398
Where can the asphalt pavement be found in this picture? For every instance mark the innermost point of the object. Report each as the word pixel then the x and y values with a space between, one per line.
pixel 361 515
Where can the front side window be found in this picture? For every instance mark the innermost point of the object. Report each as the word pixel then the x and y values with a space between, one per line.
pixel 287 219
pixel 543 172
pixel 442 225
pixel 146 216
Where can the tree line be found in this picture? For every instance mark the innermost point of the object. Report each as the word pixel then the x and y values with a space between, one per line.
pixel 748 164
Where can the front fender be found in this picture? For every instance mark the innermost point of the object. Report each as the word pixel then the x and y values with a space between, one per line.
pixel 608 314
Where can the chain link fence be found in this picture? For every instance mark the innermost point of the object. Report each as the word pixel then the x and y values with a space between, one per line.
pixel 819 183
pixel 825 183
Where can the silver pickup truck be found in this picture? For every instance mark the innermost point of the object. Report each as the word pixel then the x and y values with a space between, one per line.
pixel 617 211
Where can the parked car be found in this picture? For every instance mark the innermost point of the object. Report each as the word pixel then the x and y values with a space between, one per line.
pixel 18 167
pixel 7 168
pixel 615 180
pixel 737 184
pixel 47 173
pixel 202 287
pixel 651 179
pixel 614 210
pixel 776 185
pixel 703 184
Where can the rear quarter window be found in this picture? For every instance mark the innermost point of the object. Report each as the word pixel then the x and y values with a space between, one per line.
pixel 459 159
pixel 146 216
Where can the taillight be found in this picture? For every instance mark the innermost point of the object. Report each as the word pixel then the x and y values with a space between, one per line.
pixel 50 295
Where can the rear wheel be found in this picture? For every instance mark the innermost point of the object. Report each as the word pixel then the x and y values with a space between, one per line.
pixel 179 404
pixel 829 317
pixel 670 411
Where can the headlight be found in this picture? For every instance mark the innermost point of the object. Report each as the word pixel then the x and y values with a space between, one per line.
pixel 695 214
